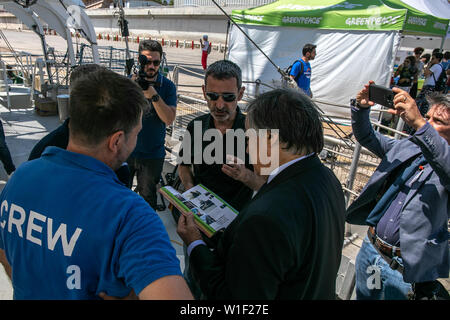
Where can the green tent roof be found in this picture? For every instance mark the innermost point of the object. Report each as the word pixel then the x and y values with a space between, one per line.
pixel 344 15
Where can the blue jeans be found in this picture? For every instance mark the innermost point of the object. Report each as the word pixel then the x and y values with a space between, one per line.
pixel 375 280
pixel 5 155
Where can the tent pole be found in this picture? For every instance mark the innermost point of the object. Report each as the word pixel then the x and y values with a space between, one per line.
pixel 226 40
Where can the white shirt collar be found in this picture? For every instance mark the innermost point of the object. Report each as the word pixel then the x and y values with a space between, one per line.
pixel 274 173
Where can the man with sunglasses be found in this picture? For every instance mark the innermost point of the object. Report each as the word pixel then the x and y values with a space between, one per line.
pixel 147 159
pixel 222 91
pixel 233 182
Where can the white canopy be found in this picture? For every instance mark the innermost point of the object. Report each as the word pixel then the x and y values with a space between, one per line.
pixel 57 15
pixel 347 57
pixel 437 8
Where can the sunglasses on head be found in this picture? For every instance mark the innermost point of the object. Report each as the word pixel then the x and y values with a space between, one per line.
pixel 227 97
pixel 154 62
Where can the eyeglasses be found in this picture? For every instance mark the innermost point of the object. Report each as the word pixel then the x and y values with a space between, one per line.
pixel 227 97
pixel 154 62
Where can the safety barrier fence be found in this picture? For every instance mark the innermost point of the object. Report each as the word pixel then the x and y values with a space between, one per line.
pixel 177 43
pixel 110 57
pixel 223 3
pixel 352 164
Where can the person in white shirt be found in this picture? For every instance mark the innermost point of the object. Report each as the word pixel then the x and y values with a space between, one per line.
pixel 431 72
pixel 205 50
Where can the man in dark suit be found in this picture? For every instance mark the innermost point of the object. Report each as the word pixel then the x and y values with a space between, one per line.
pixel 286 243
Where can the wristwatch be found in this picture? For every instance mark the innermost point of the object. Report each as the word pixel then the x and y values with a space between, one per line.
pixel 354 104
pixel 155 98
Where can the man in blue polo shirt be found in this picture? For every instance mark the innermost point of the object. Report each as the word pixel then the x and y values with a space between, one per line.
pixel 301 69
pixel 68 228
pixel 147 159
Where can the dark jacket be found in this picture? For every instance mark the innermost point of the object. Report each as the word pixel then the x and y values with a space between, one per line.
pixel 425 212
pixel 57 138
pixel 285 244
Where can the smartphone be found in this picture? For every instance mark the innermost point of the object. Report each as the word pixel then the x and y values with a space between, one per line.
pixel 381 95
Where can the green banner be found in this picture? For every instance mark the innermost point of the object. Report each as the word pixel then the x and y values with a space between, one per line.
pixel 420 22
pixel 341 15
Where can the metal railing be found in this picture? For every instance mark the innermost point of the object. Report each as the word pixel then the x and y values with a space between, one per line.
pixel 223 3
pixel 110 57
pixel 352 164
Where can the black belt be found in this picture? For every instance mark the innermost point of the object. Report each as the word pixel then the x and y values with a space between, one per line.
pixel 388 252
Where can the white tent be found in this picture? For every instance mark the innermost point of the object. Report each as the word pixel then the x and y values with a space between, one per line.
pixel 60 16
pixel 356 42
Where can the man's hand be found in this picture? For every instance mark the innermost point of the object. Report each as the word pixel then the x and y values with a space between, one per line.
pixel 291 83
pixel 362 97
pixel 235 168
pixel 406 108
pixel 150 92
pixel 187 229
pixel 131 296
pixel 188 186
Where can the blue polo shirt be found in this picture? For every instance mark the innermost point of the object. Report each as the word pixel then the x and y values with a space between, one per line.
pixel 150 142
pixel 71 230
pixel 304 80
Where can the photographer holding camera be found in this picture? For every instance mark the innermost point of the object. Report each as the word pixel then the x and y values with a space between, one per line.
pixel 147 159
pixel 405 202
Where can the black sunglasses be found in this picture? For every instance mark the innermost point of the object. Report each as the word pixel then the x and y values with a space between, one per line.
pixel 227 97
pixel 155 62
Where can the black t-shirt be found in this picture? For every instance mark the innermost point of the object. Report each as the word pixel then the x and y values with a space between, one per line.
pixel 210 175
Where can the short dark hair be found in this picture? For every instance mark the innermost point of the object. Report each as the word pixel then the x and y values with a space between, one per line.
pixel 436 50
pixel 447 55
pixel 427 57
pixel 308 48
pixel 294 114
pixel 419 50
pixel 411 59
pixel 438 55
pixel 224 69
pixel 102 103
pixel 83 70
pixel 151 45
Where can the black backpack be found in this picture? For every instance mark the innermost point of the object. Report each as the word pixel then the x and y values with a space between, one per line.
pixel 288 70
pixel 441 83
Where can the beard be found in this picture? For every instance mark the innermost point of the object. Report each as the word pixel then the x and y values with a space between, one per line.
pixel 220 114
pixel 151 73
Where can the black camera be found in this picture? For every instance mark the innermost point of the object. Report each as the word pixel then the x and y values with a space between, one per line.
pixel 142 75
